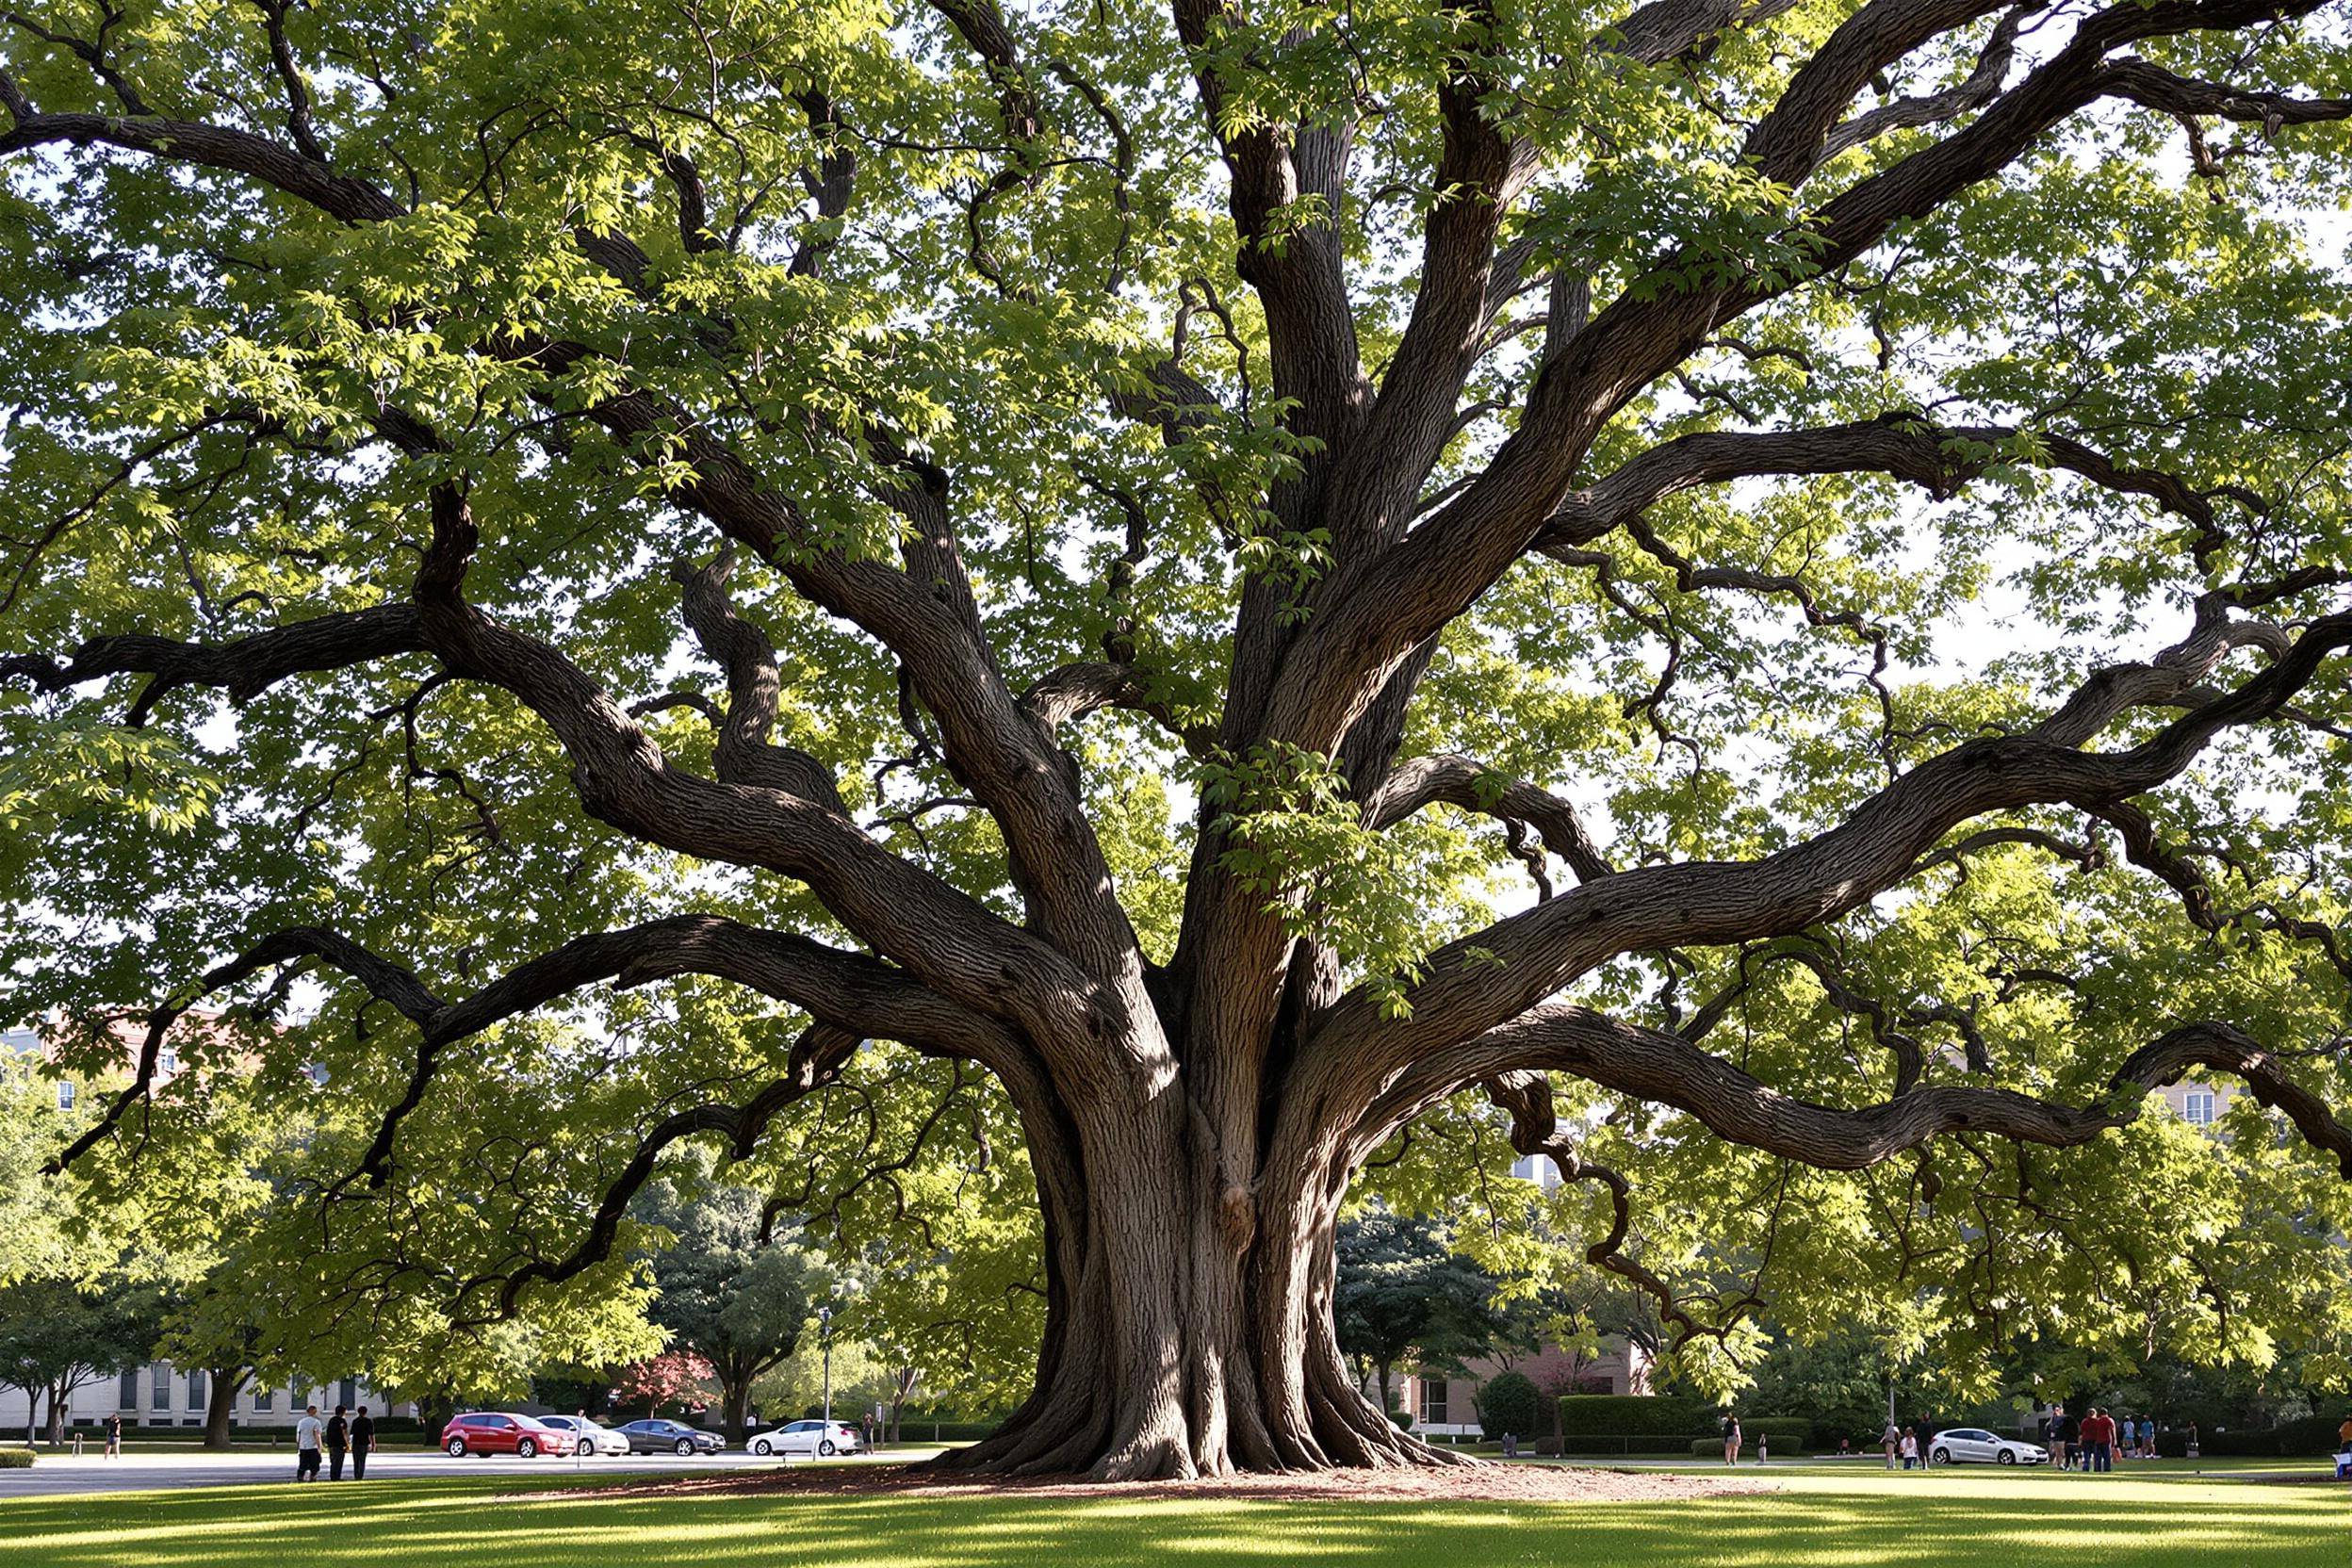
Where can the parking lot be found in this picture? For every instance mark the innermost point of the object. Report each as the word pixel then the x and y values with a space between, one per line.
pixel 54 1475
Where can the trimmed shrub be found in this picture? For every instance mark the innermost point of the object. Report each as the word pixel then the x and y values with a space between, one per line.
pixel 16 1459
pixel 1635 1416
pixel 1403 1419
pixel 1508 1402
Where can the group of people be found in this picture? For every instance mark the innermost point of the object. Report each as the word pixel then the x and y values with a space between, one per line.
pixel 1902 1443
pixel 2095 1441
pixel 343 1436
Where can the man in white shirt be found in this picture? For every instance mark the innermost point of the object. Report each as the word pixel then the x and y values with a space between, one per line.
pixel 307 1435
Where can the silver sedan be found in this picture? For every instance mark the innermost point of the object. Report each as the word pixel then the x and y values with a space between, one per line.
pixel 1975 1446
pixel 594 1439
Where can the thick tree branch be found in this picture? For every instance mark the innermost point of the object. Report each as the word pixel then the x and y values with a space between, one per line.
pixel 1705 903
pixel 1653 1065
pixel 244 668
pixel 1471 786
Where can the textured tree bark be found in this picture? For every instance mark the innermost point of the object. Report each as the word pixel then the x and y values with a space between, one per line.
pixel 227 1382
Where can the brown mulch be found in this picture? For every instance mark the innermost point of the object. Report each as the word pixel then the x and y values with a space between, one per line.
pixel 1453 1483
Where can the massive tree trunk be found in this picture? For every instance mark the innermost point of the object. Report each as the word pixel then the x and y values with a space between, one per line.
pixel 1187 1332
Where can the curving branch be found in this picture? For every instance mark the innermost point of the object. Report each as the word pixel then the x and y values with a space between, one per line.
pixel 244 667
pixel 1494 974
pixel 1465 783
pixel 747 751
pixel 1651 1064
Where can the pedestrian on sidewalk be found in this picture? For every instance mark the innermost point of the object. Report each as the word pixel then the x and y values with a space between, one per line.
pixel 307 1432
pixel 114 1434
pixel 363 1442
pixel 338 1442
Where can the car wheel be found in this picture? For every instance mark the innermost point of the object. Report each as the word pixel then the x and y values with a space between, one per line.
pixel 761 1445
pixel 1942 1456
pixel 683 1447
pixel 826 1448
pixel 527 1448
pixel 2005 1457
pixel 457 1448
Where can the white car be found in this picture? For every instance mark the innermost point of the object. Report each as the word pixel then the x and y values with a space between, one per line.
pixel 593 1439
pixel 1975 1446
pixel 807 1437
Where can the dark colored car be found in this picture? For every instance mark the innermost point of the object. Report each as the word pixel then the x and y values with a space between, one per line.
pixel 487 1433
pixel 669 1437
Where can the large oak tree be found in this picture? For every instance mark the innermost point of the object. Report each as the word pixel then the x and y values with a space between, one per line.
pixel 1074 539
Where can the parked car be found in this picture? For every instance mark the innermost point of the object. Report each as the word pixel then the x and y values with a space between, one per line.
pixel 487 1433
pixel 807 1437
pixel 1975 1446
pixel 593 1439
pixel 670 1437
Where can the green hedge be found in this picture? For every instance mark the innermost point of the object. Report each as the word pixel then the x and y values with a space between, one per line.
pixel 1635 1416
pixel 1508 1402
pixel 2308 1438
pixel 16 1459
pixel 917 1428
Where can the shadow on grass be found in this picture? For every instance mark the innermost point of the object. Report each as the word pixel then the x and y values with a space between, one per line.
pixel 469 1522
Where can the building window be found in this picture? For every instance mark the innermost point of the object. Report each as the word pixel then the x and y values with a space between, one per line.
pixel 2197 1107
pixel 169 1061
pixel 262 1395
pixel 196 1391
pixel 348 1394
pixel 1434 1403
pixel 159 1393
pixel 127 1396
pixel 65 1094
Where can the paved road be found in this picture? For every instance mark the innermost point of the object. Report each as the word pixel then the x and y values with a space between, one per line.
pixel 54 1475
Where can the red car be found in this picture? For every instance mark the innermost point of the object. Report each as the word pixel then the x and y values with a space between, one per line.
pixel 486 1433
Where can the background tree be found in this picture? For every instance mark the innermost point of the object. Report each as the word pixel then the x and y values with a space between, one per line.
pixel 671 1377
pixel 1402 1293
pixel 60 1335
pixel 1174 501
pixel 736 1289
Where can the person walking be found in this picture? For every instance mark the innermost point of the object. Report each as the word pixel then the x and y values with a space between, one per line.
pixel 363 1442
pixel 2070 1441
pixel 2054 1436
pixel 1910 1447
pixel 114 1434
pixel 1763 1448
pixel 2147 1437
pixel 1890 1439
pixel 1731 1438
pixel 307 1432
pixel 2098 1439
pixel 338 1442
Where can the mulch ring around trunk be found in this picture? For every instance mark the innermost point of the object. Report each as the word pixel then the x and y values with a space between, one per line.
pixel 1478 1484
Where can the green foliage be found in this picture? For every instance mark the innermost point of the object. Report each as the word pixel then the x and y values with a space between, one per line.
pixel 16 1459
pixel 1509 1403
pixel 1402 1292
pixel 1634 1416
pixel 197 370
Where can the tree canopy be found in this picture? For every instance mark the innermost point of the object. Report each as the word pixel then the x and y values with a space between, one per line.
pixel 1758 583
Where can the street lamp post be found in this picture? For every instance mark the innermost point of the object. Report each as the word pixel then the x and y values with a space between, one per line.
pixel 824 1333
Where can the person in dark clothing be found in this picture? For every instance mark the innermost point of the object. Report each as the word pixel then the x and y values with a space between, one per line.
pixel 114 1434
pixel 338 1443
pixel 363 1442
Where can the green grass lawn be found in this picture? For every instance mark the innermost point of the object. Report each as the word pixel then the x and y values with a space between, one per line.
pixel 1851 1521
